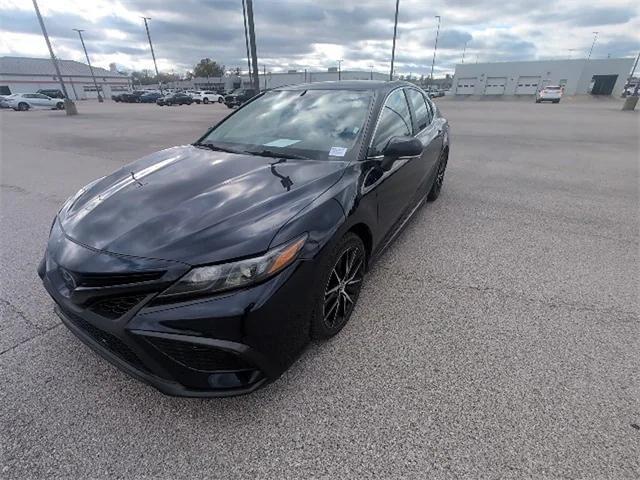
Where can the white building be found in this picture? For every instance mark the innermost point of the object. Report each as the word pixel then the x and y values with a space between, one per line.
pixel 579 77
pixel 25 75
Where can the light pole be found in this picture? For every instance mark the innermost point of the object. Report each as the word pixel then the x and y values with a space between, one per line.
pixel 595 38
pixel 339 69
pixel 464 50
pixel 153 55
pixel 435 49
pixel 246 38
pixel 370 72
pixel 69 106
pixel 252 44
pixel 395 32
pixel 89 63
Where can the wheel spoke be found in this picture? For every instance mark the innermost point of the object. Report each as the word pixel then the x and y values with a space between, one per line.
pixel 332 291
pixel 328 312
pixel 347 298
pixel 354 271
pixel 353 282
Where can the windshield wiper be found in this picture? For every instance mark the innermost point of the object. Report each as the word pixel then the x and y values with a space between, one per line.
pixel 213 146
pixel 273 154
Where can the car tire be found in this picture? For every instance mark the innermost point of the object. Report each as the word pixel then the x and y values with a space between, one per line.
pixel 342 273
pixel 556 101
pixel 168 104
pixel 205 100
pixel 60 106
pixel 438 181
pixel 197 102
pixel 538 101
pixel 23 107
pixel 220 100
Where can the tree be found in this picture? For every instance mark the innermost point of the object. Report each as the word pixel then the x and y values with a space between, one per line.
pixel 208 68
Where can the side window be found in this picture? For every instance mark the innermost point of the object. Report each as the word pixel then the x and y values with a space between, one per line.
pixel 432 109
pixel 44 97
pixel 421 114
pixel 395 120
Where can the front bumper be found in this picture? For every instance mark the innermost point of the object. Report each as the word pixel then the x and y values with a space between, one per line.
pixel 224 345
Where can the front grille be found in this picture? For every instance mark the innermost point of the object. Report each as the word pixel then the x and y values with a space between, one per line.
pixel 110 280
pixel 115 307
pixel 199 357
pixel 108 341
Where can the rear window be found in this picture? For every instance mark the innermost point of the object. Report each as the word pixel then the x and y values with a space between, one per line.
pixel 552 88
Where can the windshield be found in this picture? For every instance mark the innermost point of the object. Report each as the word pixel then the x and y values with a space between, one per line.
pixel 552 88
pixel 317 124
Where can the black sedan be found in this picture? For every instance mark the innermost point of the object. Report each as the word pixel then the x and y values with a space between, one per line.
pixel 205 269
pixel 150 97
pixel 175 99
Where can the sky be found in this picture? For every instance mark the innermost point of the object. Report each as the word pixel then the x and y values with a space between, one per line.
pixel 298 34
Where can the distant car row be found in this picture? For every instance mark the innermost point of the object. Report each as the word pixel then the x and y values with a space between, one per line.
pixel 145 96
pixel 234 99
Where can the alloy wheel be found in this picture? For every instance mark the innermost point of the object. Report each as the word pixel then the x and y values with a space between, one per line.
pixel 442 167
pixel 343 287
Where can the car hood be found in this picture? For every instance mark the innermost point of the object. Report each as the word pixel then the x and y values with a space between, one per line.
pixel 195 205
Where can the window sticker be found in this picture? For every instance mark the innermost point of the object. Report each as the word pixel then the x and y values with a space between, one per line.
pixel 281 142
pixel 337 152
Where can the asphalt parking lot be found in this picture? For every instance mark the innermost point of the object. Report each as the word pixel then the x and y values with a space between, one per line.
pixel 497 338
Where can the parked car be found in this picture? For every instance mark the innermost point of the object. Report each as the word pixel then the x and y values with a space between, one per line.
pixel 28 101
pixel 239 96
pixel 175 99
pixel 550 93
pixel 51 92
pixel 206 96
pixel 4 100
pixel 247 244
pixel 117 97
pixel 132 97
pixel 150 97
pixel 435 92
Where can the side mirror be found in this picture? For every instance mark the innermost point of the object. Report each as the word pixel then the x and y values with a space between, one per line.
pixel 400 147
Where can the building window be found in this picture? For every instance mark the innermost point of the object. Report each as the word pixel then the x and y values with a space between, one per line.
pixel 91 88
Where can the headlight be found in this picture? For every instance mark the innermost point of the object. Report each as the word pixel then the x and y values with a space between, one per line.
pixel 227 276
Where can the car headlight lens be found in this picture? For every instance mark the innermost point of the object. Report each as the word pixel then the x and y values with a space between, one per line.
pixel 228 276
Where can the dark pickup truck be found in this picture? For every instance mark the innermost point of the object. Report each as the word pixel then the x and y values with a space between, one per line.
pixel 239 96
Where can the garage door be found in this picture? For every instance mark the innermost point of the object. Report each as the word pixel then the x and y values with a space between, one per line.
pixel 527 85
pixel 495 85
pixel 466 86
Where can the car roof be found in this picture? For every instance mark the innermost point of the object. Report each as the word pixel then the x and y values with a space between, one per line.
pixel 376 85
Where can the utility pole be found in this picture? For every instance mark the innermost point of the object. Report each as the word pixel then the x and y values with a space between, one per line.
pixel 246 38
pixel 435 49
pixel 69 106
pixel 370 72
pixel 395 32
pixel 339 69
pixel 595 37
pixel 264 74
pixel 89 63
pixel 252 43
pixel 153 55
pixel 464 51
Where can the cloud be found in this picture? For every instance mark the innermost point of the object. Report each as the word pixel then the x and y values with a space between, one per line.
pixel 313 34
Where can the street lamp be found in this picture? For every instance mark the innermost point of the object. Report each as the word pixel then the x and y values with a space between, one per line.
pixel 339 69
pixel 393 49
pixel 464 50
pixel 89 63
pixel 69 106
pixel 435 48
pixel 153 55
pixel 595 38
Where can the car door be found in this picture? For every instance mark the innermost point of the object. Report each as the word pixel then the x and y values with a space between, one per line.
pixel 428 131
pixel 44 101
pixel 398 188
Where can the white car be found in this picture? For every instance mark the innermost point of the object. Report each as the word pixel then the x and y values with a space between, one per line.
pixel 205 96
pixel 27 101
pixel 550 93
